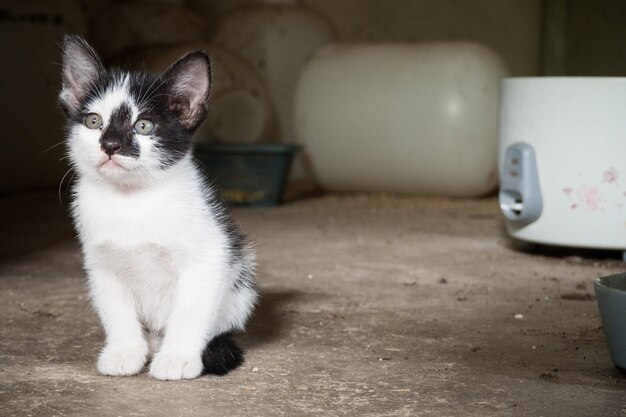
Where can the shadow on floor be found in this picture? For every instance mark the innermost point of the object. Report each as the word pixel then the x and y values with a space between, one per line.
pixel 270 320
pixel 565 252
pixel 551 251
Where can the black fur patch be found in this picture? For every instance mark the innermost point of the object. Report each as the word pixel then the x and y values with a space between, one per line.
pixel 221 355
pixel 172 138
pixel 120 130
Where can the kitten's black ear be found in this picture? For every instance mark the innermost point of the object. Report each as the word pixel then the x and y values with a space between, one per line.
pixel 81 69
pixel 188 82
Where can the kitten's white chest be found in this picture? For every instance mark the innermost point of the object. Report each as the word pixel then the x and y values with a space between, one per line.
pixel 134 260
pixel 149 273
pixel 142 240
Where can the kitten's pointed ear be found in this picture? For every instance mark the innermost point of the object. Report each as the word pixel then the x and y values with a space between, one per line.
pixel 81 69
pixel 188 82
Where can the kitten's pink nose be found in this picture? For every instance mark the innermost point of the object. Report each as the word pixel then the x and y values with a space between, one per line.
pixel 111 146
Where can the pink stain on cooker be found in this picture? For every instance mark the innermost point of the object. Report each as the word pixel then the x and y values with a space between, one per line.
pixel 590 197
pixel 586 196
pixel 610 176
pixel 568 192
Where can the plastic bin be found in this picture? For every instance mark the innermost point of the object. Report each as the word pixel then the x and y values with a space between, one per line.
pixel 247 174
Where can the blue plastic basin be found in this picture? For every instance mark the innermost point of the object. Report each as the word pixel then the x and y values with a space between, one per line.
pixel 247 174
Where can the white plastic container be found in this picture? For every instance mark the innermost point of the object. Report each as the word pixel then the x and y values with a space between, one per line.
pixel 276 39
pixel 416 118
pixel 240 110
pixel 568 187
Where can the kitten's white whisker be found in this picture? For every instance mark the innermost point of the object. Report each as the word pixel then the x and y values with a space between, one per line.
pixel 69 183
pixel 150 92
pixel 146 96
pixel 52 147
pixel 140 93
pixel 61 183
pixel 200 162
pixel 157 95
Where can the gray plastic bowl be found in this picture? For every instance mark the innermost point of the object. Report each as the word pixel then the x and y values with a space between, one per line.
pixel 611 296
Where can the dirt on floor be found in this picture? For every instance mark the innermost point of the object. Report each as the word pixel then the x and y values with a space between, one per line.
pixel 372 305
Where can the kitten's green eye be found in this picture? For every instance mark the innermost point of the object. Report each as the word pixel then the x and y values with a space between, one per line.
pixel 144 127
pixel 93 121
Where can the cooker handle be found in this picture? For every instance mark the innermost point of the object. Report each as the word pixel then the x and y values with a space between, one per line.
pixel 520 193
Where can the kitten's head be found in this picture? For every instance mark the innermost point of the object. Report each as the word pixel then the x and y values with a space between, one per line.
pixel 125 127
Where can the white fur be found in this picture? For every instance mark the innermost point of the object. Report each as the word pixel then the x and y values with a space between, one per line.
pixel 156 255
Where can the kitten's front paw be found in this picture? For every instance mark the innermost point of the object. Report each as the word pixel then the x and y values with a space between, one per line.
pixel 170 367
pixel 116 361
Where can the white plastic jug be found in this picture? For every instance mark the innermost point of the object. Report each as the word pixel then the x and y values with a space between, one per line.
pixel 415 118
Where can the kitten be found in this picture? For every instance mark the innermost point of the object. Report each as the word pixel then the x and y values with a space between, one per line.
pixel 169 274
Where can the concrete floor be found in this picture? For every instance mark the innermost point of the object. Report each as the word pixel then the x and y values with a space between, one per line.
pixel 371 305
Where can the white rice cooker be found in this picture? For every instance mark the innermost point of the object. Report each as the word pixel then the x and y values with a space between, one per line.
pixel 563 160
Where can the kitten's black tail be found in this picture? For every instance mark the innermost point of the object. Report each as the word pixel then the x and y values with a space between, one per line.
pixel 221 355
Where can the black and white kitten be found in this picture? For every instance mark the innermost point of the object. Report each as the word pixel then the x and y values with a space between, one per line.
pixel 169 274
